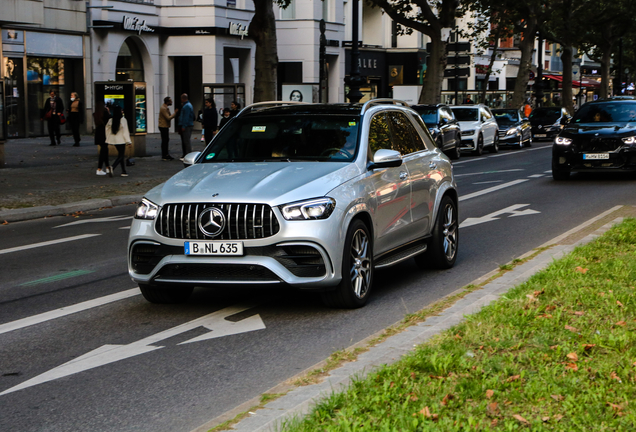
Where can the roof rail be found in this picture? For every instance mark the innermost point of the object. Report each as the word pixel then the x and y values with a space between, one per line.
pixel 383 101
pixel 258 105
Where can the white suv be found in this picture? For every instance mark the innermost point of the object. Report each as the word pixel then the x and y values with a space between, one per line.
pixel 479 128
pixel 315 196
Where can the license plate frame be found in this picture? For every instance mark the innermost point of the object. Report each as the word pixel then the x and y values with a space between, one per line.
pixel 540 135
pixel 596 156
pixel 213 248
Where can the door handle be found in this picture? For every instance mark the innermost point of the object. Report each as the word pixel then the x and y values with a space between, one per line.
pixel 432 165
pixel 403 175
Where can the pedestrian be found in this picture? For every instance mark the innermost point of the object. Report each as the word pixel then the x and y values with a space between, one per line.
pixel 527 109
pixel 468 101
pixel 226 117
pixel 235 107
pixel 210 120
pixel 117 134
pixel 75 118
pixel 165 118
pixel 100 119
pixel 186 120
pixel 53 108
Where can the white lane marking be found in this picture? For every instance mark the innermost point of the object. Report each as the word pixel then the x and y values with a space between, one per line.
pixel 488 182
pixel 513 210
pixel 489 172
pixel 548 172
pixel 501 154
pixel 47 243
pixel 67 310
pixel 492 189
pixel 216 322
pixel 536 175
pixel 128 227
pixel 96 220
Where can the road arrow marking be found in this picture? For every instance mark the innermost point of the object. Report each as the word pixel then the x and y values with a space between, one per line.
pixel 216 322
pixel 513 210
pixel 491 189
pixel 96 220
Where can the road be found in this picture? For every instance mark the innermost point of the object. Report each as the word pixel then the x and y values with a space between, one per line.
pixel 116 362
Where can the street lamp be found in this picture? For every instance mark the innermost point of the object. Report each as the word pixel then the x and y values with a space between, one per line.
pixel 355 80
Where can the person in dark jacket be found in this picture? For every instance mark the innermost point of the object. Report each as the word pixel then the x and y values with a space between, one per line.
pixel 100 118
pixel 75 117
pixel 226 117
pixel 53 107
pixel 210 120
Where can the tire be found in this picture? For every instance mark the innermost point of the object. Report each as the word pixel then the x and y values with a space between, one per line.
pixel 559 174
pixel 529 143
pixel 520 142
pixel 457 151
pixel 480 146
pixel 357 270
pixel 443 246
pixel 164 295
pixel 494 148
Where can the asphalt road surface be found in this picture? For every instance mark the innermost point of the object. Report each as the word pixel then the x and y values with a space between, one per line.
pixel 80 349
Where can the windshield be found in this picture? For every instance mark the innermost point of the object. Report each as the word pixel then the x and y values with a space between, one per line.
pixel 429 115
pixel 506 116
pixel 606 112
pixel 285 138
pixel 545 115
pixel 466 114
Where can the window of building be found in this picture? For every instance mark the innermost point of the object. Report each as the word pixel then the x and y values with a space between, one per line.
pixel 289 13
pixel 129 63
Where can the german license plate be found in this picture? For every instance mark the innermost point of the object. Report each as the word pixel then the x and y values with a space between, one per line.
pixel 595 156
pixel 540 135
pixel 222 248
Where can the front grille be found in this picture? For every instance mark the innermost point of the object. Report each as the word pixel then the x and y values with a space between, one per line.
pixel 243 221
pixel 502 133
pixel 217 273
pixel 598 145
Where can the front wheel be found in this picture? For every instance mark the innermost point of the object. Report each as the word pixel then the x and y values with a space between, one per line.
pixel 457 151
pixel 357 270
pixel 442 248
pixel 479 150
pixel 495 144
pixel 165 295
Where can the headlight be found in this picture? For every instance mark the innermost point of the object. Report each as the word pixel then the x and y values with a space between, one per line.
pixel 512 131
pixel 629 140
pixel 562 141
pixel 146 210
pixel 468 132
pixel 319 208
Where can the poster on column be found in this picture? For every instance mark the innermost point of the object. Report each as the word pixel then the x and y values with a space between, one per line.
pixel 298 92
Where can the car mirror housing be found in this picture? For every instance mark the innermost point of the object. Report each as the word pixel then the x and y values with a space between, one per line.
pixel 190 158
pixel 384 158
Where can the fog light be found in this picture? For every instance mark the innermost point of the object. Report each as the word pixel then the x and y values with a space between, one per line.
pixel 561 160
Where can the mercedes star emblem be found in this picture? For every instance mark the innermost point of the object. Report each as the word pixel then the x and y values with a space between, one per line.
pixel 212 221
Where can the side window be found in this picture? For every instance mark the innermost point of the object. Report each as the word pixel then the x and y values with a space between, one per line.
pixel 404 136
pixel 379 134
pixel 425 135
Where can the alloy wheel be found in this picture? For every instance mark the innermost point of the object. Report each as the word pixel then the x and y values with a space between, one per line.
pixel 449 231
pixel 360 264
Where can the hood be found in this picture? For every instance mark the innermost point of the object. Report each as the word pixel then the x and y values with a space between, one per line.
pixel 468 125
pixel 273 183
pixel 600 129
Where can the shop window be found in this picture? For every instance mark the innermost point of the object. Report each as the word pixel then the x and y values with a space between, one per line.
pixel 289 13
pixel 129 63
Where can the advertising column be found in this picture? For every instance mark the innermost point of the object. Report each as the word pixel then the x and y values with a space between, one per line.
pixel 3 122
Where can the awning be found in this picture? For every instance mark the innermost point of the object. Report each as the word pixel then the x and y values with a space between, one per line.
pixel 586 81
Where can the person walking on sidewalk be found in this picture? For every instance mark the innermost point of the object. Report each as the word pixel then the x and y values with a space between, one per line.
pixel 100 118
pixel 165 118
pixel 210 120
pixel 186 120
pixel 53 107
pixel 117 134
pixel 75 117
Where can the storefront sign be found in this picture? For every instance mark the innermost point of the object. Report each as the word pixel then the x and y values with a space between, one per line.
pixel 113 87
pixel 136 25
pixel 238 29
pixel 367 63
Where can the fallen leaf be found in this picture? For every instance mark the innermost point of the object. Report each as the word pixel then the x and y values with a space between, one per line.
pixel 621 323
pixel 553 347
pixel 491 393
pixel 588 347
pixel 446 399
pixel 619 303
pixel 496 339
pixel 558 417
pixel 579 313
pixel 493 423
pixel 413 375
pixel 544 316
pixel 538 293
pixel 572 356
pixel 550 307
pixel 572 366
pixel 615 406
pixel 392 384
pixel 5 223
pixel 521 419
pixel 493 408
pixel 615 377
pixel 531 298
pixel 508 403
pixel 572 329
pixel 557 398
pixel 427 413
pixel 545 419
pixel 513 378
pixel 602 294
pixel 457 336
pixel 581 270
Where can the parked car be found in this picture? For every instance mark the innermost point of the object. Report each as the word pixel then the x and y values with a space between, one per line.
pixel 600 137
pixel 478 127
pixel 547 122
pixel 315 196
pixel 514 129
pixel 443 127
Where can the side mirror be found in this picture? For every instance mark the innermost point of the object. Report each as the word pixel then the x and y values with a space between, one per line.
pixel 384 158
pixel 190 158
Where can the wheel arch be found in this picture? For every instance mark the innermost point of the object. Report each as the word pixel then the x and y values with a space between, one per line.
pixel 446 190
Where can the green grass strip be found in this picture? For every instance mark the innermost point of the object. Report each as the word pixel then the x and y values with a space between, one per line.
pixel 58 277
pixel 556 353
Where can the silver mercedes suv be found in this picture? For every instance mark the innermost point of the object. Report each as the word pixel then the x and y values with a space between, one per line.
pixel 315 196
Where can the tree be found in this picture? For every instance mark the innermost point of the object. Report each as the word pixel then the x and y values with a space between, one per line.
pixel 420 15
pixel 263 29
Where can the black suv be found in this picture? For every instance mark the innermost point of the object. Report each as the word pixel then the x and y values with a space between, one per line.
pixel 443 126
pixel 547 122
pixel 601 137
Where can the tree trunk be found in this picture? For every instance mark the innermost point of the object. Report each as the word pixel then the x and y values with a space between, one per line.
pixel 566 87
pixel 523 75
pixel 606 60
pixel 432 87
pixel 263 30
pixel 493 57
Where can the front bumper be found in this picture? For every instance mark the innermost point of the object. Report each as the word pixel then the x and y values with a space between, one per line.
pixel 569 159
pixel 544 134
pixel 469 142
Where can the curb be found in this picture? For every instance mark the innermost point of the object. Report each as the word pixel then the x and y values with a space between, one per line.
pixel 17 215
pixel 299 401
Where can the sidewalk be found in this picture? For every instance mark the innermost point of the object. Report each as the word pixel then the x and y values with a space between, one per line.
pixel 40 180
